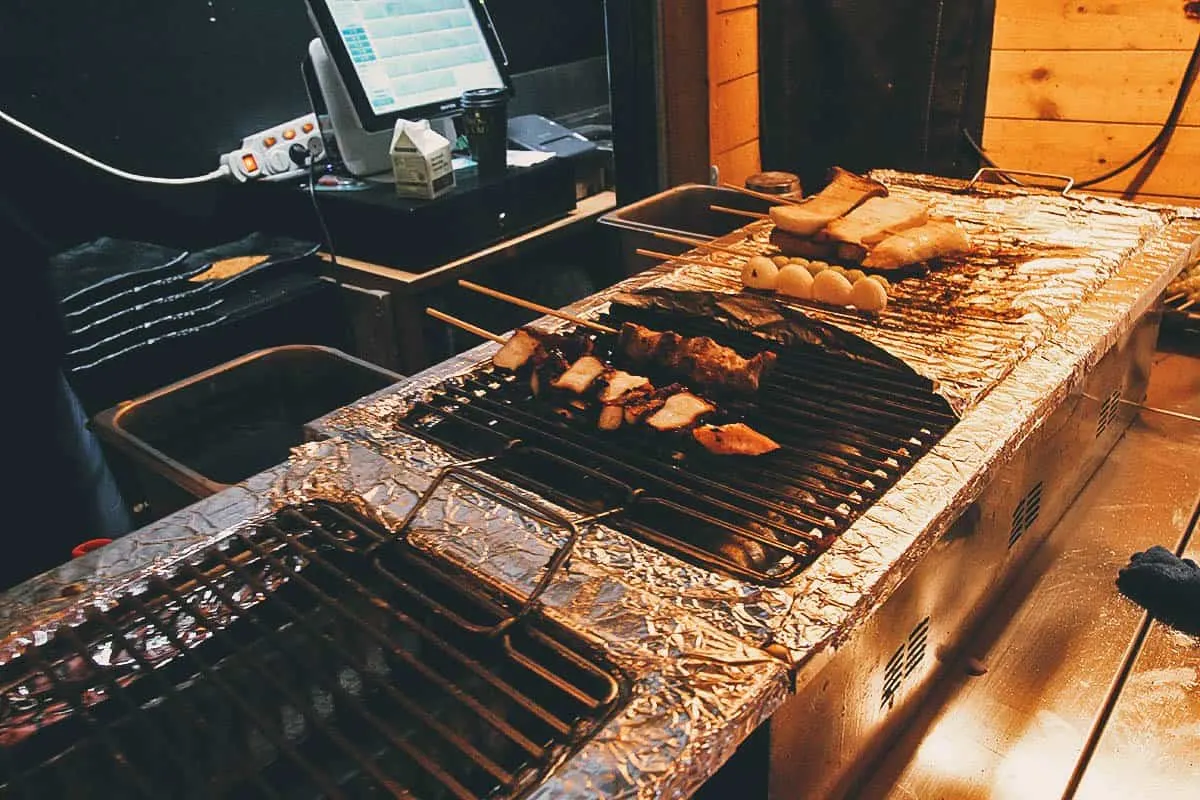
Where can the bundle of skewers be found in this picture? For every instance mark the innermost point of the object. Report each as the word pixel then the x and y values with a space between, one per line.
pixel 1184 292
pixel 571 372
pixel 836 247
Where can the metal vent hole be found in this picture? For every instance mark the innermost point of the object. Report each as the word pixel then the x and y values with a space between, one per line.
pixel 1108 412
pixel 893 676
pixel 1025 514
pixel 916 647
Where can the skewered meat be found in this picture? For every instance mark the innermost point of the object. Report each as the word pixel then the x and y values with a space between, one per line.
pixel 581 375
pixel 735 439
pixel 680 411
pixel 618 383
pixel 527 344
pixel 929 241
pixel 875 220
pixel 517 351
pixel 640 404
pixel 701 360
pixel 611 417
pixel 843 193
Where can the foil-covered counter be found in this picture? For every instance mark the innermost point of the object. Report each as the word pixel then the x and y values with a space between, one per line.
pixel 696 692
pixel 1075 310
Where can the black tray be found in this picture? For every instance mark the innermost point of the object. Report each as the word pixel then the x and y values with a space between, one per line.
pixel 94 273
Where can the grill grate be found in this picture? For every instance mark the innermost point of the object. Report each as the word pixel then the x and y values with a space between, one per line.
pixel 848 430
pixel 311 657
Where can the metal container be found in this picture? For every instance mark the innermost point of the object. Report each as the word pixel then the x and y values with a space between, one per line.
pixel 682 211
pixel 205 433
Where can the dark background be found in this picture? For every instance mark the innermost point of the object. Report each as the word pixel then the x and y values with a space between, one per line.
pixel 163 88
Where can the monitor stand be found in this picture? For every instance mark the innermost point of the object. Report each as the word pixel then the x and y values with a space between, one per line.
pixel 365 154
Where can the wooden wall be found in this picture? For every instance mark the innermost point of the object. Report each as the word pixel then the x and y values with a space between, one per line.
pixel 1079 87
pixel 733 88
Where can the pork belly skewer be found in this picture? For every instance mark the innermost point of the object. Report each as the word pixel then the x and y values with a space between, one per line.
pixel 625 398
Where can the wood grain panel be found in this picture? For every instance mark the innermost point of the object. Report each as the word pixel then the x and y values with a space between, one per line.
pixel 739 163
pixel 1092 86
pixel 733 45
pixel 721 6
pixel 1083 150
pixel 1093 25
pixel 733 119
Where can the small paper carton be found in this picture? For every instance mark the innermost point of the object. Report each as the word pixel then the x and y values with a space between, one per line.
pixel 421 161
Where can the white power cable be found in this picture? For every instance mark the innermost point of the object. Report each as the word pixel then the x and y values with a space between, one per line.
pixel 221 172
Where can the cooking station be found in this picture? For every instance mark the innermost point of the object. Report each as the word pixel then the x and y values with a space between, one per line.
pixel 450 590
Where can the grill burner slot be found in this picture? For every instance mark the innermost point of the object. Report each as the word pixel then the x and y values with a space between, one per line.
pixel 1108 412
pixel 310 657
pixel 848 432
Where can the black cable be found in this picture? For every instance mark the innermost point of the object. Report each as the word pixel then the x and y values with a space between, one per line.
pixel 312 166
pixel 1164 132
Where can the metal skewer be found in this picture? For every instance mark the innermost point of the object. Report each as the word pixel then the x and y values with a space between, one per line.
pixel 770 198
pixel 532 306
pixel 702 244
pixel 737 212
pixel 683 259
pixel 466 326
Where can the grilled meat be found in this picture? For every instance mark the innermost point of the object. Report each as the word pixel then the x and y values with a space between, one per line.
pixel 735 439
pixel 642 403
pixel 680 411
pixel 618 383
pixel 611 417
pixel 700 360
pixel 517 351
pixel 929 241
pixel 843 193
pixel 581 375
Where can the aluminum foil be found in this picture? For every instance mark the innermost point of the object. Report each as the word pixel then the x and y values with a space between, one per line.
pixel 694 692
pixel 1073 312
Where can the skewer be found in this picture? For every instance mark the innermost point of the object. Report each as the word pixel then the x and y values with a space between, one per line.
pixel 466 326
pixel 1188 304
pixel 683 259
pixel 532 306
pixel 737 212
pixel 702 243
pixel 770 198
pixel 1175 297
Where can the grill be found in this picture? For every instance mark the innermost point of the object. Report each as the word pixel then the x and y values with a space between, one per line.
pixel 848 432
pixel 313 656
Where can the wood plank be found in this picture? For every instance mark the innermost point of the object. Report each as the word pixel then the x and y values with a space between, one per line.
pixel 739 163
pixel 1083 150
pixel 733 116
pixel 732 45
pixel 685 68
pixel 721 6
pixel 1091 86
pixel 1093 25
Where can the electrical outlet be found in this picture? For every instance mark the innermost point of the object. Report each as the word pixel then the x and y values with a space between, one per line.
pixel 265 155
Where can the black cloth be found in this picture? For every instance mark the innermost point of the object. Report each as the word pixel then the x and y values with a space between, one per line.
pixel 1165 585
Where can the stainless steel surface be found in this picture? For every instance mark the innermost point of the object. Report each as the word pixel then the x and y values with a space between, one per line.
pixel 901 656
pixel 1053 649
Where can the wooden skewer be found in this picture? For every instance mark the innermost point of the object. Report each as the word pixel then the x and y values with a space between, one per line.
pixel 553 312
pixel 701 243
pixel 1175 297
pixel 466 326
pixel 737 212
pixel 770 198
pixel 683 259
pixel 1188 304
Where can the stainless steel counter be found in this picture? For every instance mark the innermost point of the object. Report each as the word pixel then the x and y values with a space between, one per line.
pixel 1054 655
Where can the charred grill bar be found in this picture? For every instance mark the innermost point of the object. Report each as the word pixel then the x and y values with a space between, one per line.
pixel 311 656
pixel 848 431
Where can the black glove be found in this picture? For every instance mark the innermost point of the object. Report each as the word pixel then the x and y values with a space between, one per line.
pixel 1165 585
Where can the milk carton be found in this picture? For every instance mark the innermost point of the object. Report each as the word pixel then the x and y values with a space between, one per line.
pixel 421 161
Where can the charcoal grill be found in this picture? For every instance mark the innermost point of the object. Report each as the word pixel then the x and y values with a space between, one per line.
pixel 313 655
pixel 848 432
